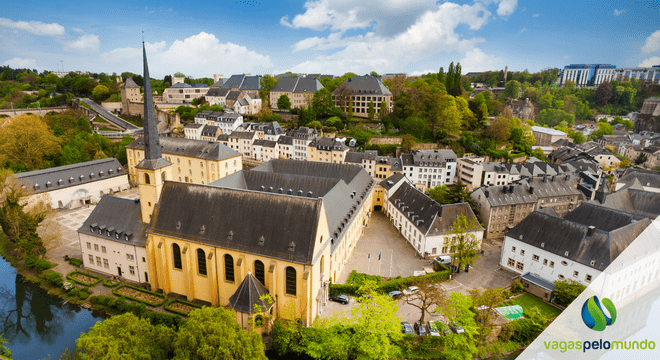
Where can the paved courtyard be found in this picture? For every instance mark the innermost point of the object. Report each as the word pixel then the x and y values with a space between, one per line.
pixel 398 258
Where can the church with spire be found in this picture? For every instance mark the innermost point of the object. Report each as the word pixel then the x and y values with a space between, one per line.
pixel 283 229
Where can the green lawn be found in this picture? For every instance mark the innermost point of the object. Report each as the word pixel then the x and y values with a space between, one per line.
pixel 85 105
pixel 528 301
pixel 100 120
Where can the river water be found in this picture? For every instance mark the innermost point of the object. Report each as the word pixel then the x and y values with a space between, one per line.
pixel 35 324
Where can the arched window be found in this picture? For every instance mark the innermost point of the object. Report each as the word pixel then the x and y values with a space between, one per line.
pixel 201 262
pixel 146 179
pixel 229 268
pixel 259 272
pixel 163 177
pixel 176 255
pixel 290 281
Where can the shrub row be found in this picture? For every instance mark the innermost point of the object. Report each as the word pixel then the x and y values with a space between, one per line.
pixel 390 285
pixel 118 306
pixel 114 292
pixel 54 278
pixel 167 306
pixel 98 278
pixel 110 283
pixel 357 279
pixel 32 262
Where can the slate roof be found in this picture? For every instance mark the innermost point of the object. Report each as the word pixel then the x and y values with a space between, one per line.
pixel 429 217
pixel 248 294
pixel 243 82
pixel 180 85
pixel 285 140
pixel 305 133
pixel 223 137
pixel 538 281
pixel 286 84
pixel 242 102
pixel 119 216
pixel 648 178
pixel 233 95
pixel 194 126
pixel 242 135
pixel 596 250
pixel 70 175
pixel 308 86
pixel 210 130
pixel 219 92
pixel 209 150
pixel 600 151
pixel 433 157
pixel 265 143
pixel 495 195
pixel 392 180
pixel 129 83
pixel 354 157
pixel 323 143
pixel 393 162
pixel 634 200
pixel 238 219
pixel 365 85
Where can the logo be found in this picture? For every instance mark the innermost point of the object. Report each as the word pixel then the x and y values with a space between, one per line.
pixel 593 315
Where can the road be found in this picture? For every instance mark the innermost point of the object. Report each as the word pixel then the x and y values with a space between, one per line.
pixel 108 116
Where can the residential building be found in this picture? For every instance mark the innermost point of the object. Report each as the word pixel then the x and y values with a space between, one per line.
pixel 248 104
pixel 301 139
pixel 196 161
pixel 265 130
pixel 75 185
pixel 649 180
pixel 265 150
pixel 546 136
pixel 587 74
pixel 286 147
pixel 579 246
pixel 299 90
pixel 430 168
pixel 193 131
pixel 367 160
pixel 469 171
pixel 615 141
pixel 244 83
pixel 605 157
pixel 183 93
pixel 387 166
pixel 241 141
pixel 360 91
pixel 210 133
pixel 327 150
pixel 226 121
pixel 217 96
pixel 427 225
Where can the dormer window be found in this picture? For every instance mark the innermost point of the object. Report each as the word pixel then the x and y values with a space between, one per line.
pixel 126 237
pixel 292 246
pixel 117 235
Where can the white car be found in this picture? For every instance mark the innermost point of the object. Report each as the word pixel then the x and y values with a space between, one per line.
pixel 410 290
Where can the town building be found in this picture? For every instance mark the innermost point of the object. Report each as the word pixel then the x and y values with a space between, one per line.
pixel 649 180
pixel 387 166
pixel 244 84
pixel 301 139
pixel 299 90
pixel 242 141
pixel 587 74
pixel 367 160
pixel 651 74
pixel 75 185
pixel 217 96
pixel 579 246
pixel 130 92
pixel 196 161
pixel 360 91
pixel 183 93
pixel 605 157
pixel 265 150
pixel 546 136
pixel 286 147
pixel 193 131
pixel 327 150
pixel 226 121
pixel 429 168
pixel 248 104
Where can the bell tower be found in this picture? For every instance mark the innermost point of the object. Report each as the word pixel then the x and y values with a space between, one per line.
pixel 153 170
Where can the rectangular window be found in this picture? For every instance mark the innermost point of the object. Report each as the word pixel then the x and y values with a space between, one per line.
pixel 103 249
pixel 522 252
pixel 511 262
pixel 129 257
pixel 552 264
pixel 576 274
pixel 91 259
pixel 587 278
pixel 433 251
pixel 98 261
pixel 520 266
pixel 545 261
pixel 96 247
pixel 106 264
pixel 513 249
pixel 535 257
pixel 131 269
pixel 89 245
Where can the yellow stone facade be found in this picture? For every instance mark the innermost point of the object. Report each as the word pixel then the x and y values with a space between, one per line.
pixel 328 156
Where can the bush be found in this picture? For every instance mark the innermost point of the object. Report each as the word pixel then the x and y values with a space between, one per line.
pixel 75 262
pixel 82 294
pixel 567 290
pixel 70 277
pixel 54 278
pixel 42 265
pixel 517 287
pixel 30 261
pixel 73 292
pixel 110 283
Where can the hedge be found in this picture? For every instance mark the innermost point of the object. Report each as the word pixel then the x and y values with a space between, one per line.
pixel 98 278
pixel 167 306
pixel 107 283
pixel 54 278
pixel 118 306
pixel 75 262
pixel 390 285
pixel 114 292
pixel 358 279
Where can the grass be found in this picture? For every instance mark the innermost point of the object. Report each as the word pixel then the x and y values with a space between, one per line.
pixel 103 128
pixel 128 118
pixel 85 105
pixel 528 301
pixel 100 120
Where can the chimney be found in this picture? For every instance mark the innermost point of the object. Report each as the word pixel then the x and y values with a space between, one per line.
pixel 552 178
pixel 591 230
pixel 440 210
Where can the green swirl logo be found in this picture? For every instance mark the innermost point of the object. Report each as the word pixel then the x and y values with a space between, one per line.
pixel 594 316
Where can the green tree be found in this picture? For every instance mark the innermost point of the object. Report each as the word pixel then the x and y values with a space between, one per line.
pixel 465 243
pixel 552 117
pixel 567 290
pixel 213 333
pixel 642 158
pixel 100 92
pixel 335 122
pixel 577 136
pixel 267 82
pixel 322 103
pixel 457 309
pixel 408 142
pixel 315 124
pixel 349 113
pixel 603 93
pixel 284 103
pixel 511 89
pixel 306 116
pixel 428 297
pixel 126 337
pixel 489 298
pixel 18 224
pixel 526 329
pixel 604 128
pixel 371 111
pixel 546 101
pixel 27 143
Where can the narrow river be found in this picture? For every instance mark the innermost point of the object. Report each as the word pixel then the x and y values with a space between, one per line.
pixel 35 324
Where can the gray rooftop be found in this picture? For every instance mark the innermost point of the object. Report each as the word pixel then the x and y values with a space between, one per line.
pixel 117 217
pixel 323 143
pixel 538 281
pixel 248 295
pixel 209 150
pixel 129 83
pixel 365 85
pixel 70 175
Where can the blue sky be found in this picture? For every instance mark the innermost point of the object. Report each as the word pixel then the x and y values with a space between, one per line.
pixel 203 38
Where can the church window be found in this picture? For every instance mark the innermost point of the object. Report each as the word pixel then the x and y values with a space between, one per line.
pixel 146 179
pixel 201 262
pixel 229 268
pixel 290 281
pixel 176 255
pixel 259 272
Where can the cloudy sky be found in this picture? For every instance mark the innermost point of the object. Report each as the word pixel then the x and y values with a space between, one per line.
pixel 203 38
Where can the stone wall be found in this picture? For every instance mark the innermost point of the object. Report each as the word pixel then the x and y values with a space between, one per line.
pixel 173 120
pixel 392 140
pixel 647 122
pixel 523 110
pixel 111 106
pixel 40 112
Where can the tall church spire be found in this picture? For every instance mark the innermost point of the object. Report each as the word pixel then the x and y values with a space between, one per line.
pixel 151 143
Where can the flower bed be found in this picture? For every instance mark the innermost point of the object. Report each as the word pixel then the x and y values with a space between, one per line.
pixel 83 278
pixel 111 283
pixel 181 307
pixel 144 296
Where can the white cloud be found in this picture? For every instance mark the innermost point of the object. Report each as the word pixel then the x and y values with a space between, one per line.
pixel 652 43
pixel 536 15
pixel 477 60
pixel 650 62
pixel 86 42
pixel 18 63
pixel 522 30
pixel 507 7
pixel 34 27
pixel 420 73
pixel 433 32
pixel 619 12
pixel 200 55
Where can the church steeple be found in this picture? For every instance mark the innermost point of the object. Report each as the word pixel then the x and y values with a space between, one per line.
pixel 153 170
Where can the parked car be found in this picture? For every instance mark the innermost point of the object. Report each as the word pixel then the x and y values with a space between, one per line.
pixel 457 328
pixel 433 328
pixel 420 329
pixel 410 290
pixel 406 328
pixel 445 260
pixel 394 294
pixel 340 299
pixel 444 326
